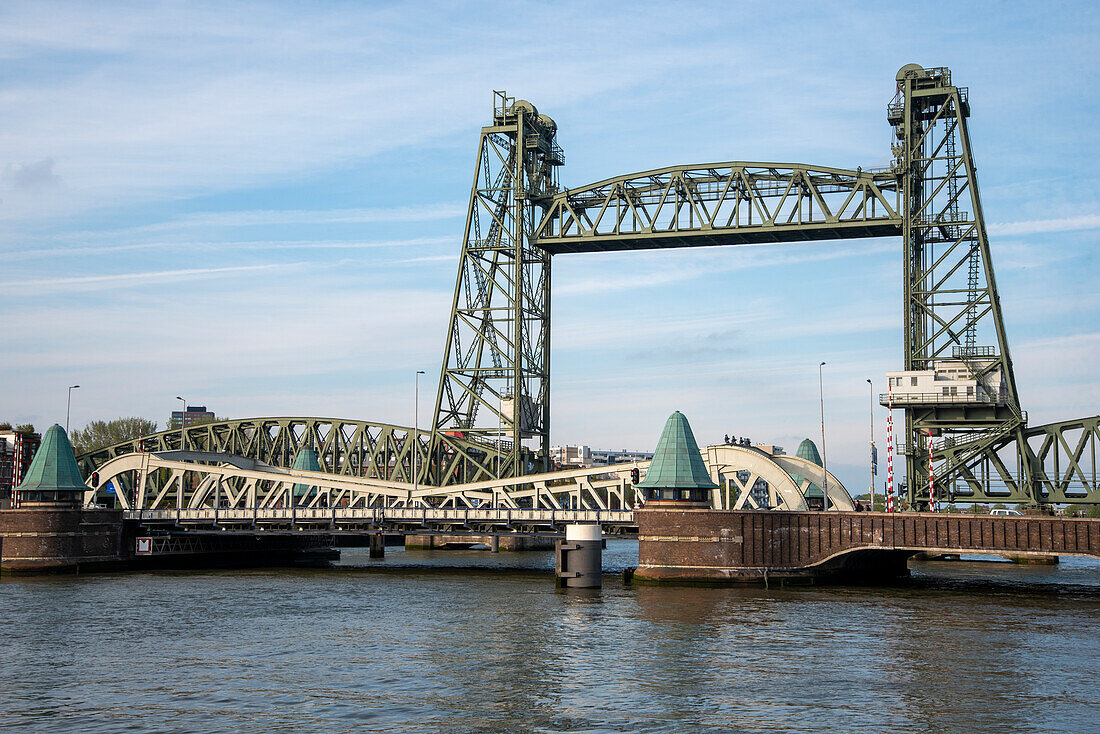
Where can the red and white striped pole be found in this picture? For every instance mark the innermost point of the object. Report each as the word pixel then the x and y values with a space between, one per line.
pixel 931 477
pixel 889 448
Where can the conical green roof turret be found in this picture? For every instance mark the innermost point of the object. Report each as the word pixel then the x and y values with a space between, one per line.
pixel 808 450
pixel 306 460
pixel 53 475
pixel 677 463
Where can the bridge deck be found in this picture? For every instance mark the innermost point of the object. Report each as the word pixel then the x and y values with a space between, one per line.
pixel 476 519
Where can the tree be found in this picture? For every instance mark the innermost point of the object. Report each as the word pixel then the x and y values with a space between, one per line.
pixel 5 426
pixel 25 428
pixel 99 434
pixel 1093 511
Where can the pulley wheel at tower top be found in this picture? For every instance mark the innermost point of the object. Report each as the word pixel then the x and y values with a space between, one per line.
pixel 549 125
pixel 525 106
pixel 907 70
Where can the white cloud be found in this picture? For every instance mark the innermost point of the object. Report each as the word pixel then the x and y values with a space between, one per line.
pixel 1036 226
pixel 44 285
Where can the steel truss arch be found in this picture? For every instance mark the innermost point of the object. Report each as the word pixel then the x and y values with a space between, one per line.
pixel 193 480
pixel 343 446
pixel 727 203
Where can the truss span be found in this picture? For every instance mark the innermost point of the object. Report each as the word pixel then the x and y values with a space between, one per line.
pixel 190 480
pixel 345 447
pixel 731 203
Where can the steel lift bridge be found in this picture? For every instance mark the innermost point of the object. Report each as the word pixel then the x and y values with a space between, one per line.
pixel 489 443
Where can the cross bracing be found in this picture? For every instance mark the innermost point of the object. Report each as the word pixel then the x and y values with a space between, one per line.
pixel 193 479
pixel 493 401
pixel 721 204
pixel 344 447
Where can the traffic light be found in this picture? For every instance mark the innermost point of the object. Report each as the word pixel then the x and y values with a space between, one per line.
pixel 94 479
pixel 635 475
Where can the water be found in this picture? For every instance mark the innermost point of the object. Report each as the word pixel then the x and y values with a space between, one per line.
pixel 410 644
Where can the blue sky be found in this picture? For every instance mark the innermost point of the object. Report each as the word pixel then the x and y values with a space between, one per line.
pixel 258 206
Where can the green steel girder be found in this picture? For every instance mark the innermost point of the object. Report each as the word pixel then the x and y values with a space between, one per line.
pixel 357 448
pixel 721 204
pixel 1055 463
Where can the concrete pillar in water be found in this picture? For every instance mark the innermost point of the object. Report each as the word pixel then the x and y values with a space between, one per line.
pixel 579 558
pixel 377 545
pixel 494 544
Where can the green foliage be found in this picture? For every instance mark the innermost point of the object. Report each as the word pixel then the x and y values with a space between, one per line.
pixel 25 428
pixel 978 510
pixel 5 426
pixel 999 506
pixel 1093 511
pixel 99 434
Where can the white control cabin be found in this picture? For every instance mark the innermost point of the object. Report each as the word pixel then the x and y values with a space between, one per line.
pixel 951 381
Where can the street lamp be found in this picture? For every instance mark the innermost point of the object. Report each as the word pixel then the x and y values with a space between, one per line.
pixel 871 388
pixel 416 425
pixel 824 455
pixel 184 413
pixel 68 402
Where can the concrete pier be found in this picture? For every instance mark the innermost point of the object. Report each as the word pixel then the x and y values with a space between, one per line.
pixel 441 541
pixel 762 547
pixel 53 538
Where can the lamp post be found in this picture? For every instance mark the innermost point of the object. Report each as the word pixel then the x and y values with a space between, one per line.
pixel 416 425
pixel 68 402
pixel 183 417
pixel 871 389
pixel 824 454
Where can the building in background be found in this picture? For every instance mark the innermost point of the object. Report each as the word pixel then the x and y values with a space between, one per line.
pixel 194 414
pixel 16 452
pixel 583 457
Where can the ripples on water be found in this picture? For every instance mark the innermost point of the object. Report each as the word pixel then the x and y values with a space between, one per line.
pixel 494 647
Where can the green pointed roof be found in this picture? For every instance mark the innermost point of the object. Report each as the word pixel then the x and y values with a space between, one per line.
pixel 53 468
pixel 808 450
pixel 677 463
pixel 306 460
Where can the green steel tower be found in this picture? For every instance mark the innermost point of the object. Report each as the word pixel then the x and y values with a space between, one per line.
pixel 494 387
pixel 952 315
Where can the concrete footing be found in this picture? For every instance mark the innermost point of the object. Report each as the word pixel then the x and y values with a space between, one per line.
pixel 54 538
pixel 495 542
pixel 51 538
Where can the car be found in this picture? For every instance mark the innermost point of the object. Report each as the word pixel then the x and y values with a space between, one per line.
pixel 1004 512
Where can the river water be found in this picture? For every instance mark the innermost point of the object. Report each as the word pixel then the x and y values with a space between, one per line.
pixel 468 641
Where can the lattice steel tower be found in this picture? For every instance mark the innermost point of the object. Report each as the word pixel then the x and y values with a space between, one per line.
pixel 953 322
pixel 494 388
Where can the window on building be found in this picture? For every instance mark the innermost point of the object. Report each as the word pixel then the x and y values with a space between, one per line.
pixel 970 390
pixel 914 381
pixel 954 391
pixel 946 390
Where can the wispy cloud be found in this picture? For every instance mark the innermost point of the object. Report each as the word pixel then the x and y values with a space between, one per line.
pixel 1036 226
pixel 421 213
pixel 675 266
pixel 223 247
pixel 116 279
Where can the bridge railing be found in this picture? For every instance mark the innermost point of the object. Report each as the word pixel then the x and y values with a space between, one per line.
pixel 382 515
